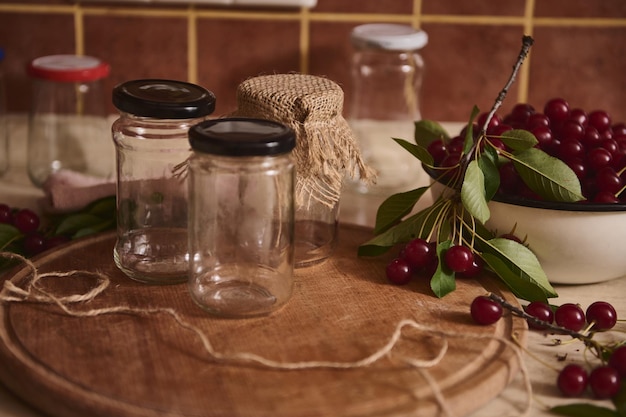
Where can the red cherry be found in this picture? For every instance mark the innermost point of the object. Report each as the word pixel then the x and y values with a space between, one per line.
pixel 572 380
pixel 602 315
pixel 459 258
pixel 485 311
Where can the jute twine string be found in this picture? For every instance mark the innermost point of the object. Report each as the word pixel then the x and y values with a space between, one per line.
pixel 326 149
pixel 34 292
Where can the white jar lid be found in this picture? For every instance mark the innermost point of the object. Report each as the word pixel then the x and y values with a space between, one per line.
pixel 388 36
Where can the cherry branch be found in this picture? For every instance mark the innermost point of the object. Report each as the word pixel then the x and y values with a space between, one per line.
pixel 586 339
pixel 527 42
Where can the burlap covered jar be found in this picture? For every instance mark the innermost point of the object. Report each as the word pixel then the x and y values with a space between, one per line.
pixel 326 151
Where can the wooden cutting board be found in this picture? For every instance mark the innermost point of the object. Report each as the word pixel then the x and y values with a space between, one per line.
pixel 147 365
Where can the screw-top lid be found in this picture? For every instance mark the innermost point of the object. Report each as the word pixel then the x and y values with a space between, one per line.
pixel 163 99
pixel 240 136
pixel 388 36
pixel 68 68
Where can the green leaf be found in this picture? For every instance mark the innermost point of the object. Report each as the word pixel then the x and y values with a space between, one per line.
pixel 548 176
pixel 583 410
pixel 417 151
pixel 518 267
pixel 427 131
pixel 417 225
pixel 473 192
pixel 519 286
pixel 8 234
pixel 491 174
pixel 442 281
pixel 73 223
pixel 104 207
pixel 394 208
pixel 518 139
pixel 469 133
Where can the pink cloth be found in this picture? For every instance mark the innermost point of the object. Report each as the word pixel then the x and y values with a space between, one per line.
pixel 69 190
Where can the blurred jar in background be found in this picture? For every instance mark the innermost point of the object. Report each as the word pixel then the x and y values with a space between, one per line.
pixel 68 127
pixel 4 128
pixel 387 72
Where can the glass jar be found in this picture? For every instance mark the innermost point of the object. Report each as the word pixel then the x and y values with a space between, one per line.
pixel 241 216
pixel 68 126
pixel 312 107
pixel 152 147
pixel 4 128
pixel 387 72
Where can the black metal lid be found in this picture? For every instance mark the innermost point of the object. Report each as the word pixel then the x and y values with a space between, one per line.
pixel 163 99
pixel 240 136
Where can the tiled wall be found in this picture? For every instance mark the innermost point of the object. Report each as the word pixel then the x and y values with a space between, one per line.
pixel 579 52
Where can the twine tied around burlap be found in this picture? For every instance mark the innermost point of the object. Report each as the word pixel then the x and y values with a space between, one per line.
pixel 326 149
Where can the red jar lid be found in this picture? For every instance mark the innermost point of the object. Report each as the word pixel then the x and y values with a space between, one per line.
pixel 68 68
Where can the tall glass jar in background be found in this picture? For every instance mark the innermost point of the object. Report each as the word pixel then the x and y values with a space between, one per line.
pixel 152 149
pixel 68 126
pixel 387 72
pixel 4 128
pixel 241 216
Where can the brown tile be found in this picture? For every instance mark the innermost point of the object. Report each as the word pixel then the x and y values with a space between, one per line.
pixel 365 6
pixel 330 54
pixel 25 36
pixel 42 2
pixel 138 46
pixel 481 8
pixel 581 8
pixel 232 50
pixel 467 65
pixel 586 66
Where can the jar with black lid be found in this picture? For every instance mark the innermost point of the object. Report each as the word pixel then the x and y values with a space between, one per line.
pixel 241 216
pixel 151 143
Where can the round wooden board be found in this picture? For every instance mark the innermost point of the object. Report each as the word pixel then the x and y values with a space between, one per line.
pixel 136 365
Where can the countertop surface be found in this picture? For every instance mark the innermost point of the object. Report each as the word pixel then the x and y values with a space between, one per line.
pixel 543 359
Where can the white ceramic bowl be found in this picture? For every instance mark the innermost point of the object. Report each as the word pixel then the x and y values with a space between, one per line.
pixel 575 243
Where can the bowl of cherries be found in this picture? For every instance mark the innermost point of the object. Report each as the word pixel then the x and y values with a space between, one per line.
pixel 576 242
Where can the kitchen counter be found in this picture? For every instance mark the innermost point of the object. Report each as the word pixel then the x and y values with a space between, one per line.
pixel 542 360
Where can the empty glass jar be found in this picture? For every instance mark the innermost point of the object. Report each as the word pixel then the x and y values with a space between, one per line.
pixel 241 216
pixel 68 126
pixel 152 149
pixel 387 72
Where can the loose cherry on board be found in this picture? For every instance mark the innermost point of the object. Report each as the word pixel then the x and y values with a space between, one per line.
pixel 398 271
pixel 602 315
pixel 618 360
pixel 485 311
pixel 570 316
pixel 418 253
pixel 572 380
pixel 541 311
pixel 604 382
pixel 459 258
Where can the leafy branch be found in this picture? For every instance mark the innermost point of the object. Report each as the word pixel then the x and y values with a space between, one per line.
pixel 461 210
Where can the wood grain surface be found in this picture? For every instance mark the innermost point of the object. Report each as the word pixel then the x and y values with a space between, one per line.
pixel 130 364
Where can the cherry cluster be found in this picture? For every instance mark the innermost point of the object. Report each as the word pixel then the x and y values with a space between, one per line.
pixel 588 142
pixel 603 380
pixel 420 257
pixel 32 239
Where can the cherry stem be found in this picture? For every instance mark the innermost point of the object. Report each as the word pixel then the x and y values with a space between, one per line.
pixel 586 339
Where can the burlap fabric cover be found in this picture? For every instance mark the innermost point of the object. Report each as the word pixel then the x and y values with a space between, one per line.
pixel 326 149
